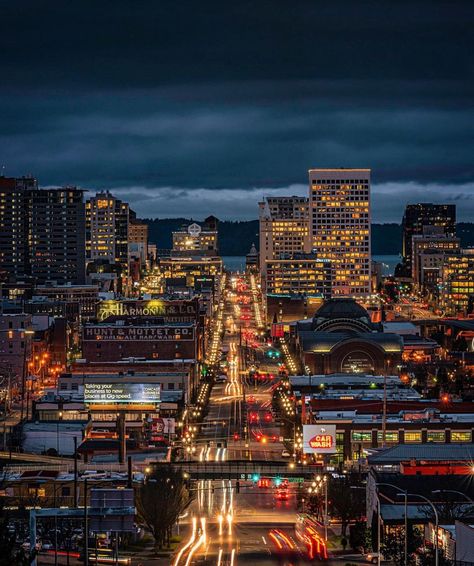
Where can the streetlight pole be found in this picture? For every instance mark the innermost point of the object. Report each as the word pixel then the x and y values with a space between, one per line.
pixel 436 519
pixel 406 516
pixel 454 491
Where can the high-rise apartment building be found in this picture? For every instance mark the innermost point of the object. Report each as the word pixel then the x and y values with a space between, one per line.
pixel 107 225
pixel 340 226
pixel 15 203
pixel 419 216
pixel 41 231
pixel 57 244
pixel 283 228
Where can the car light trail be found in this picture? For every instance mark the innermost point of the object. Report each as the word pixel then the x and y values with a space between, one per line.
pixel 192 538
pixel 201 540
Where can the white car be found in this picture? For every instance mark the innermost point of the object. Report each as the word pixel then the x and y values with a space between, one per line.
pixel 373 557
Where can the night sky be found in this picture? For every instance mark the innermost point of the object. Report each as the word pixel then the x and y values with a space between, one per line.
pixel 190 108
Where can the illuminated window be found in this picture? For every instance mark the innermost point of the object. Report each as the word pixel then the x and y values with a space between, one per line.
pixel 413 436
pixel 361 436
pixel 460 436
pixel 390 436
pixel 436 436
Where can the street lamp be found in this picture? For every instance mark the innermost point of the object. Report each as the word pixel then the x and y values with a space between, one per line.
pixel 454 491
pixel 436 518
pixel 60 416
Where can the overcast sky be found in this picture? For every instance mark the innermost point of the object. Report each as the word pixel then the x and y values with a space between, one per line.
pixel 190 108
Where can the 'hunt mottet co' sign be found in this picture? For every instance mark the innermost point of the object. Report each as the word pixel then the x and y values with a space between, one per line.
pixel 139 333
pixel 171 311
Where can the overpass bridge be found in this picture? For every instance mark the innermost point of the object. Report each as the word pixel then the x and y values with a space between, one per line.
pixel 229 469
pixel 245 469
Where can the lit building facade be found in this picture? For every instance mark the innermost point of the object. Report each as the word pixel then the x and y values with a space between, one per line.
pixel 340 226
pixel 283 228
pixel 419 216
pixel 41 231
pixel 107 225
pixel 191 268
pixel 300 274
pixel 457 285
pixel 196 239
pixel 424 262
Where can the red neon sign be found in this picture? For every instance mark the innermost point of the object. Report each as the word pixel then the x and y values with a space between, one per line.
pixel 321 441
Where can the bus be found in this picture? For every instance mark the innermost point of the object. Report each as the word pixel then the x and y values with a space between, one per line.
pixel 306 530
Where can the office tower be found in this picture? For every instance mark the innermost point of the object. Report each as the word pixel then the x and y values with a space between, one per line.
pixel 107 224
pixel 196 240
pixel 283 228
pixel 428 251
pixel 418 216
pixel 15 201
pixel 340 226
pixel 57 236
pixel 41 231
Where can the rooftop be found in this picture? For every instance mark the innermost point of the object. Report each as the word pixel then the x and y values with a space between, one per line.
pixel 426 452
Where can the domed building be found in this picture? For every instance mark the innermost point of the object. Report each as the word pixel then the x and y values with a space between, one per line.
pixel 340 338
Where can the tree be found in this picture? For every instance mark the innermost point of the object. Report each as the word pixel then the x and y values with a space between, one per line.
pixel 393 545
pixel 160 500
pixel 360 537
pixel 346 504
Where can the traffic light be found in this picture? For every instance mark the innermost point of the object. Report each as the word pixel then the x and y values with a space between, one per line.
pixel 277 481
pixel 255 477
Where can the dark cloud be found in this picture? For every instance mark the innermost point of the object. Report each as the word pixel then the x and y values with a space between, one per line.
pixel 146 96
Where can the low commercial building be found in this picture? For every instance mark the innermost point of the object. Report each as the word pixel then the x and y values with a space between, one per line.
pixel 16 335
pixel 191 268
pixel 360 425
pixel 87 296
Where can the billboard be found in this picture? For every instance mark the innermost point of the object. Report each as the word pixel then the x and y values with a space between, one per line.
pixel 161 427
pixel 121 393
pixel 319 439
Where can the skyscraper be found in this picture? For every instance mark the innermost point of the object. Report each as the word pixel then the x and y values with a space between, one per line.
pixel 41 231
pixel 419 216
pixel 340 226
pixel 283 228
pixel 107 223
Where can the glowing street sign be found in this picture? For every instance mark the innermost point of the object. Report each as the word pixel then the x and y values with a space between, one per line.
pixel 319 439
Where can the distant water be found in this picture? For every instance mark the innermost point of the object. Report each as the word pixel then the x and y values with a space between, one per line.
pixel 237 262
